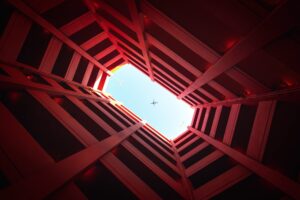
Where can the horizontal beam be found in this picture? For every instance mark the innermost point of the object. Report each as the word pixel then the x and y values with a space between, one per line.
pixel 21 81
pixel 290 93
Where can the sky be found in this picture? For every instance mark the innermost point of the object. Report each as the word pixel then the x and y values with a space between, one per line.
pixel 136 91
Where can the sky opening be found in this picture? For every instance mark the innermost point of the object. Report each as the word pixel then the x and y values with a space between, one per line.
pixel 137 92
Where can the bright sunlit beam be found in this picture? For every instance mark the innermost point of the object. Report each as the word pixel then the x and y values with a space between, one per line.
pixel 150 101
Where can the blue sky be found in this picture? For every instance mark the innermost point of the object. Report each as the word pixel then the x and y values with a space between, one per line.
pixel 136 91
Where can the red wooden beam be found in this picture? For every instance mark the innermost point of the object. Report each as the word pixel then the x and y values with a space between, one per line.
pixel 280 181
pixel 278 22
pixel 56 175
pixel 100 22
pixel 38 19
pixel 139 27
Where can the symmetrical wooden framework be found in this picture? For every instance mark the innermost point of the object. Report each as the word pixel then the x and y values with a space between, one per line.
pixel 237 104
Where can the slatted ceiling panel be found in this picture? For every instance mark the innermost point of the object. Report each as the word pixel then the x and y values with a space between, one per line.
pixel 116 64
pixel 243 127
pixel 176 66
pixel 108 57
pixel 165 86
pixel 218 32
pixel 156 71
pixel 167 77
pixel 196 98
pixel 125 29
pixel 266 64
pixel 99 47
pixel 180 137
pixel 129 121
pixel 144 71
pixel 211 171
pixel 81 69
pixel 173 63
pixel 191 146
pixel 187 101
pixel 93 76
pixel 193 102
pixel 135 55
pixel 167 83
pixel 58 15
pixel 200 94
pixel 135 61
pixel 63 60
pixel 169 72
pixel 124 40
pixel 86 33
pixel 177 46
pixel 198 156
pixel 230 84
pixel 197 59
pixel 214 92
pixel 220 131
pixel 113 14
pixel 34 46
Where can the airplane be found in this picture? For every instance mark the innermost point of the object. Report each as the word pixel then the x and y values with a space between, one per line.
pixel 154 102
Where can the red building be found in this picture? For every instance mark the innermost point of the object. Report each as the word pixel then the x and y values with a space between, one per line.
pixel 236 62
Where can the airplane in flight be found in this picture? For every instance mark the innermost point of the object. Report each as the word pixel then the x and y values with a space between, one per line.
pixel 154 102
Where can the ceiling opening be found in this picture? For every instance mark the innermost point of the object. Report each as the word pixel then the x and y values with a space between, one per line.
pixel 150 101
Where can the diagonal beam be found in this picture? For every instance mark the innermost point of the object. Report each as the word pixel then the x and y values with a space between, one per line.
pixel 281 20
pixel 77 24
pixel 184 179
pixel 22 7
pixel 56 175
pixel 194 44
pixel 280 181
pixel 153 41
pixel 139 27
